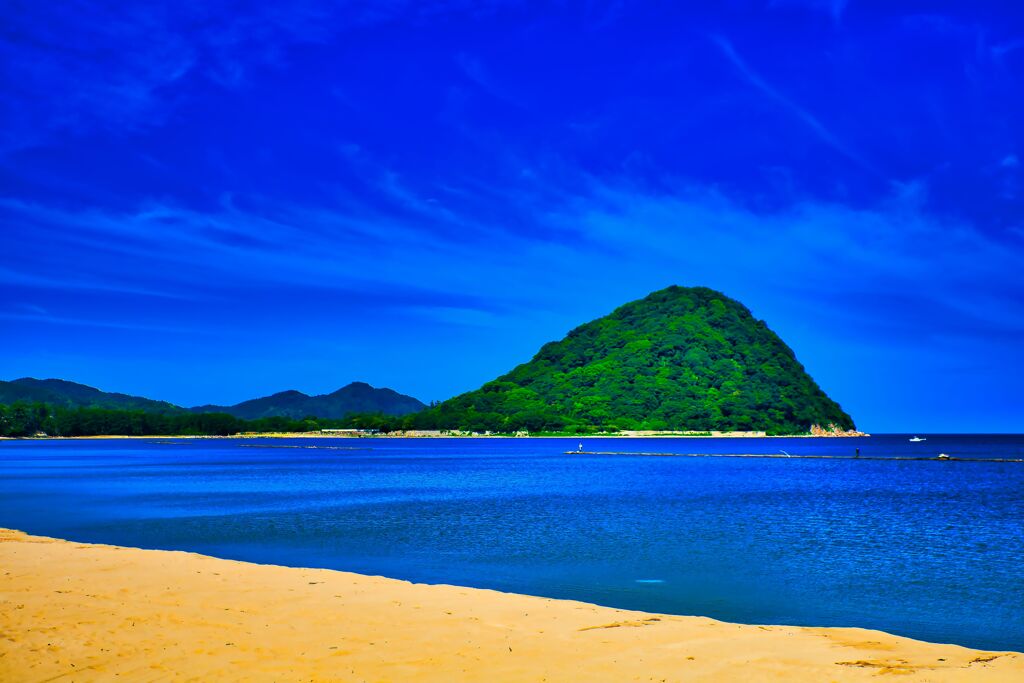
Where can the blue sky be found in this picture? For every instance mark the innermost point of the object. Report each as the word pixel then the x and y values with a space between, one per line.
pixel 205 202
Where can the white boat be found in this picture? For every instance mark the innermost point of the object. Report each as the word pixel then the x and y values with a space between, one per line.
pixel 917 438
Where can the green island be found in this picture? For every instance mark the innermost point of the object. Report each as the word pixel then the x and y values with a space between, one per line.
pixel 682 359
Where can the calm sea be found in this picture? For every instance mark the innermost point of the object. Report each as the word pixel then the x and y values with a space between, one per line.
pixel 931 550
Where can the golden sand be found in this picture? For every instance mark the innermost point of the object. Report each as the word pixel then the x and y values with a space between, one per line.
pixel 78 612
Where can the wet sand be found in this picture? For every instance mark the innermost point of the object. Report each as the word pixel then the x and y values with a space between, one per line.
pixel 71 611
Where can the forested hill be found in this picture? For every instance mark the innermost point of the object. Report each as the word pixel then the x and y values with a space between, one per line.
pixel 686 358
pixel 62 393
pixel 357 397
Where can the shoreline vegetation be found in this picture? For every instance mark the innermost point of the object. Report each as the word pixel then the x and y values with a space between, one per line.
pixel 132 613
pixel 42 420
pixel 355 434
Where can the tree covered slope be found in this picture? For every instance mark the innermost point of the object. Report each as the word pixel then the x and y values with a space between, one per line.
pixel 60 392
pixel 681 358
pixel 357 397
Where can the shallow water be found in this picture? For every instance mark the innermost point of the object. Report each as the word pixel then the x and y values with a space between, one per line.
pixel 926 549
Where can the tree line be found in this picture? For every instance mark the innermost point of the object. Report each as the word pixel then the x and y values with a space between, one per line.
pixel 21 419
pixel 24 419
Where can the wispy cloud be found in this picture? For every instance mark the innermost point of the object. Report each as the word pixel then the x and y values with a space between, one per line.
pixel 168 251
pixel 705 237
pixel 120 68
pixel 107 66
pixel 834 8
pixel 89 322
pixel 801 113
pixel 473 68
pixel 1000 50
pixel 579 235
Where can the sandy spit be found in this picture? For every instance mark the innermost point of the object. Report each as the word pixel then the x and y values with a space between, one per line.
pixel 82 612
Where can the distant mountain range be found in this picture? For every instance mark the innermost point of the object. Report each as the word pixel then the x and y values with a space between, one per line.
pixel 60 392
pixel 357 397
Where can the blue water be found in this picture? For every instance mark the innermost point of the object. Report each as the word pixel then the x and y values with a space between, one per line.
pixel 926 549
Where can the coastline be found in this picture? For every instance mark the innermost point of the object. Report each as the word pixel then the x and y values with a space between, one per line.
pixel 98 611
pixel 420 435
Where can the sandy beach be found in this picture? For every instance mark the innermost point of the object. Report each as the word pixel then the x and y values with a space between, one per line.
pixel 71 611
